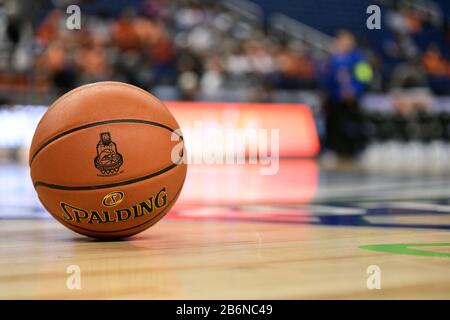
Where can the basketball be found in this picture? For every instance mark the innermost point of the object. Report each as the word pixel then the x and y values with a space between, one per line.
pixel 106 160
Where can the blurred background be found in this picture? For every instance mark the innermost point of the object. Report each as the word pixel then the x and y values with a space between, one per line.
pixel 379 100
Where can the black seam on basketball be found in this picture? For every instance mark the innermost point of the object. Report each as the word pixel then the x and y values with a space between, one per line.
pixel 169 206
pixel 109 185
pixel 99 123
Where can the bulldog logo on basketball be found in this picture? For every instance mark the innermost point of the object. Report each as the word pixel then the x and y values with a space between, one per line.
pixel 108 161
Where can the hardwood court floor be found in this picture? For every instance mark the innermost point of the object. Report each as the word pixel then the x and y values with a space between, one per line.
pixel 296 235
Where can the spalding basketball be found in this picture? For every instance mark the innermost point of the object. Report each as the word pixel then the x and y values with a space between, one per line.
pixel 107 160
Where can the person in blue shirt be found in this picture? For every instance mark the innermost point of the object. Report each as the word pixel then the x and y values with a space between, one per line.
pixel 345 80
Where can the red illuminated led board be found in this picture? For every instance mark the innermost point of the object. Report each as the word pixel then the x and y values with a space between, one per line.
pixel 297 130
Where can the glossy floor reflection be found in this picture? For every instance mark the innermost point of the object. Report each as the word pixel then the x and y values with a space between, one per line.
pixel 303 233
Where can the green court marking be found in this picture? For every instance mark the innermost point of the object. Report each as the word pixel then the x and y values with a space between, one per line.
pixel 406 248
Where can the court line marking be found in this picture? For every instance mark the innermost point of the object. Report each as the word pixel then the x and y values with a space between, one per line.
pixel 407 248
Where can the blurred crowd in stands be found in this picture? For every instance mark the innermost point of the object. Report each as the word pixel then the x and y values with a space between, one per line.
pixel 199 46
pixel 415 49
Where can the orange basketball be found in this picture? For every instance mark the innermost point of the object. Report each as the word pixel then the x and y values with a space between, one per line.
pixel 107 160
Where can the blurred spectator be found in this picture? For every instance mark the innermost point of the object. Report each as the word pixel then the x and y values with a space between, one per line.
pixel 127 34
pixel 237 63
pixel 345 81
pixel 408 74
pixel 213 79
pixel 437 68
pixel 296 69
pixel 13 31
pixel 49 28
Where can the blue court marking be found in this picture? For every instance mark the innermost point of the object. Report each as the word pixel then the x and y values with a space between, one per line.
pixel 337 215
pixel 358 220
